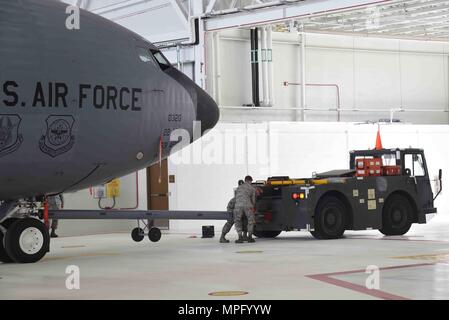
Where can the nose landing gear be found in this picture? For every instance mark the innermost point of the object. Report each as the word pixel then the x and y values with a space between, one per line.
pixel 145 228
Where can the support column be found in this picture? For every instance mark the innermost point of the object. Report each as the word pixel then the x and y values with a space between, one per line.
pixel 303 76
pixel 271 99
pixel 197 10
pixel 255 66
pixel 265 95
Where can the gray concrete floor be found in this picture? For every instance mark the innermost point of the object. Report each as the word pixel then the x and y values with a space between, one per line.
pixel 293 266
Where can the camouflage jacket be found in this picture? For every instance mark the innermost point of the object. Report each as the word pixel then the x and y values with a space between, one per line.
pixel 245 196
pixel 231 205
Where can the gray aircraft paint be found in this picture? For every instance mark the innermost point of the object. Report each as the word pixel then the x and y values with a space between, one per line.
pixel 52 149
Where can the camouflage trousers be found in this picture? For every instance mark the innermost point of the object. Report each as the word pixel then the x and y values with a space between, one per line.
pixel 239 214
pixel 228 226
pixel 54 224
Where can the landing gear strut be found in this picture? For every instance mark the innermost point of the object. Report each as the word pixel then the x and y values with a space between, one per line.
pixel 145 228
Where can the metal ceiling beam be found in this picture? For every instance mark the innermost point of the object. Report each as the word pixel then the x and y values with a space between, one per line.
pixel 399 5
pixel 180 12
pixel 211 5
pixel 385 25
pixel 285 12
pixel 379 35
pixel 350 25
pixel 424 31
pixel 420 27
pixel 411 27
pixel 392 20
pixel 359 14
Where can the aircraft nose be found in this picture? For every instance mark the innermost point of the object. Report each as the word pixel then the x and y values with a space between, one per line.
pixel 207 110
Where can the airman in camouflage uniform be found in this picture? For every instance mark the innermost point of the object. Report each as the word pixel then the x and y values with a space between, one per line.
pixel 55 203
pixel 228 226
pixel 245 203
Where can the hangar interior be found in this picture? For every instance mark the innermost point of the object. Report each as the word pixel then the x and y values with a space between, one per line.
pixel 384 62
pixel 328 75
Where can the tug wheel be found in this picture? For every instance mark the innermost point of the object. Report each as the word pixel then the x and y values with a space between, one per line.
pixel 330 218
pixel 154 234
pixel 137 234
pixel 397 216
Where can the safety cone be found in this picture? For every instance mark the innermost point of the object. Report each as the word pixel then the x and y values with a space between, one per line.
pixel 378 140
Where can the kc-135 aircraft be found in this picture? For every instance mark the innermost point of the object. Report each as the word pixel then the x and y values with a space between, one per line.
pixel 79 108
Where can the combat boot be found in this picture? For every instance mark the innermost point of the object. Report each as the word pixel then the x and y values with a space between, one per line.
pixel 250 238
pixel 223 239
pixel 240 239
pixel 245 236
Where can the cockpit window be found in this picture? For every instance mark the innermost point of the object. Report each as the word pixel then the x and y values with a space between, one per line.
pixel 161 60
pixel 146 56
pixel 154 57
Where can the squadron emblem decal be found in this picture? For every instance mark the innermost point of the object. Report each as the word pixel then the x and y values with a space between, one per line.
pixel 58 138
pixel 10 139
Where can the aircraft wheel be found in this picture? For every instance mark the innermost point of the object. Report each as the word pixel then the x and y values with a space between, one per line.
pixel 27 240
pixel 7 223
pixel 137 234
pixel 397 216
pixel 154 234
pixel 330 218
pixel 4 257
pixel 3 254
pixel 266 234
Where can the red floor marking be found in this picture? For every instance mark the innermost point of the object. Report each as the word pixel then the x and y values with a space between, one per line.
pixel 327 277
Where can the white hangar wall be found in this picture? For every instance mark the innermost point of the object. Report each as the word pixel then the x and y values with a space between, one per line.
pixel 210 169
pixel 372 74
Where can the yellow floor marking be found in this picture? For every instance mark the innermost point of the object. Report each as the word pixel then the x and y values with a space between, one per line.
pixel 72 247
pixel 438 257
pixel 228 293
pixel 249 251
pixel 83 255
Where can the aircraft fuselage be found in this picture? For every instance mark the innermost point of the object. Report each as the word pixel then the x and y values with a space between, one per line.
pixel 80 107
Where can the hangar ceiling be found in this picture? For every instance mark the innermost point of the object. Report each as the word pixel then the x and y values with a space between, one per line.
pixel 233 6
pixel 420 19
pixel 415 19
pixel 423 19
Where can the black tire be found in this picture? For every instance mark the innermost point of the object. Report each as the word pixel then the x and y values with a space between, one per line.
pixel 3 254
pixel 154 234
pixel 266 234
pixel 137 234
pixel 397 216
pixel 4 257
pixel 7 223
pixel 27 240
pixel 315 235
pixel 330 218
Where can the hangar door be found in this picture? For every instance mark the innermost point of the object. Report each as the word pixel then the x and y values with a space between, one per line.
pixel 157 190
